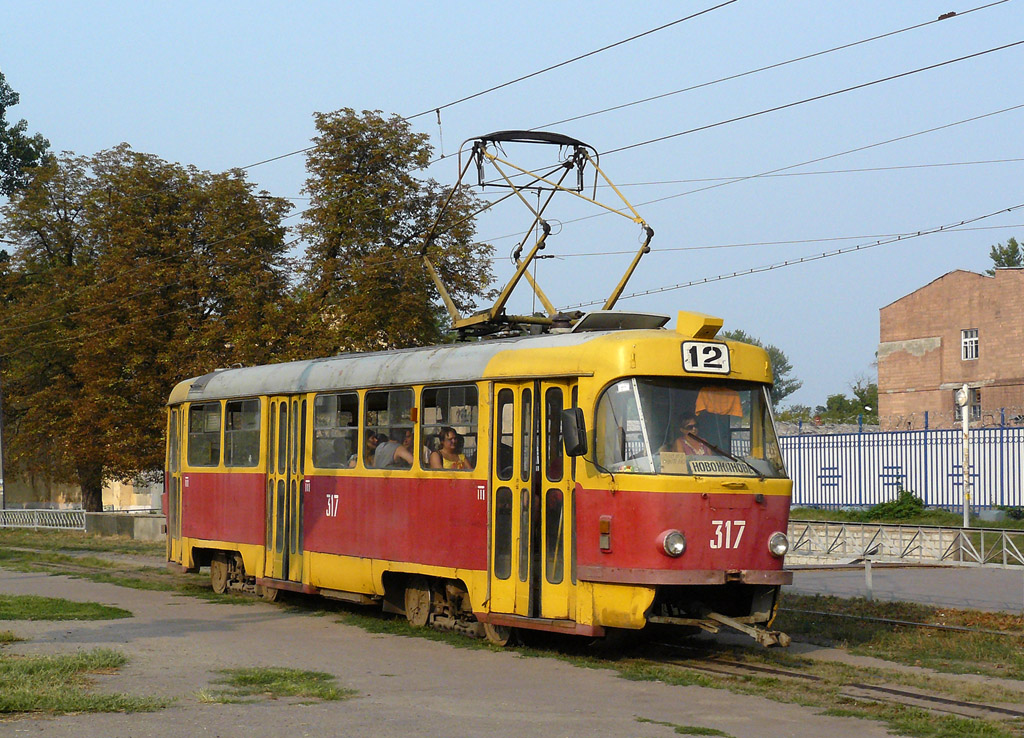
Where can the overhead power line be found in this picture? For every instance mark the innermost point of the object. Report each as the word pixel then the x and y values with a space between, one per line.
pixel 878 37
pixel 809 258
pixel 815 98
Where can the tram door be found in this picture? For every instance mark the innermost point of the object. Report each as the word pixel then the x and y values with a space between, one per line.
pixel 173 491
pixel 285 472
pixel 530 502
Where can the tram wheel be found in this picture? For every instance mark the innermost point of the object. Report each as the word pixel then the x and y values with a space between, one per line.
pixel 219 573
pixel 417 602
pixel 499 635
pixel 268 594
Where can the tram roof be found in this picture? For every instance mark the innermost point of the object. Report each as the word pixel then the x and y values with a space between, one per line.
pixel 429 364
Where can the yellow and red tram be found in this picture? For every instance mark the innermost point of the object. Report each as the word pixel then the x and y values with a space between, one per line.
pixel 576 509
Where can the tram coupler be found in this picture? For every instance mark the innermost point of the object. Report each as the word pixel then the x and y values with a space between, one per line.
pixel 762 635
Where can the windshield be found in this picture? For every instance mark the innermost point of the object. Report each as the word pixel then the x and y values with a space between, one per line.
pixel 687 426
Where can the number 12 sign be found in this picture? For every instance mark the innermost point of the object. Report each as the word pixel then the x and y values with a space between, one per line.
pixel 705 357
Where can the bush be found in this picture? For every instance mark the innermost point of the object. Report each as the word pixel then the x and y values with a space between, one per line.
pixel 906 505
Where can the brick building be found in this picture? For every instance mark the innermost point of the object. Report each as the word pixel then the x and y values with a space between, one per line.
pixel 961 328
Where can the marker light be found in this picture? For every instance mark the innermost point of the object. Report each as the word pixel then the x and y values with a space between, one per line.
pixel 778 544
pixel 674 543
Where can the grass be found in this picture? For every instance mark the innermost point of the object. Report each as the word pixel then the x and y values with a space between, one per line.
pixel 74 540
pixel 275 683
pixel 31 607
pixel 60 684
pixel 930 516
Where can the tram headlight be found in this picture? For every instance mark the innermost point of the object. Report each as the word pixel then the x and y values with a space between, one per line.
pixel 778 544
pixel 673 543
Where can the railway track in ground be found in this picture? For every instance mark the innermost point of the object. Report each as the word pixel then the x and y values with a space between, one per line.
pixel 903 696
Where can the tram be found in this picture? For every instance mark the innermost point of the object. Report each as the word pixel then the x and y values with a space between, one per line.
pixel 576 511
pixel 577 473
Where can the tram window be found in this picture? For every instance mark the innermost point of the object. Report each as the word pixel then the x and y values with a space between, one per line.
pixel 282 438
pixel 524 535
pixel 387 416
pixel 446 410
pixel 554 545
pixel 335 430
pixel 553 434
pixel 503 533
pixel 204 434
pixel 242 433
pixel 527 429
pixel 173 455
pixel 504 434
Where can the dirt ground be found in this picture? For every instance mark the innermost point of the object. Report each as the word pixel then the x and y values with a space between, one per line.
pixel 406 686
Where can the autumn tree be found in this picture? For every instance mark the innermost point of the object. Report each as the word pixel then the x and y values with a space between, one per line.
pixel 19 152
pixel 129 275
pixel 363 282
pixel 785 383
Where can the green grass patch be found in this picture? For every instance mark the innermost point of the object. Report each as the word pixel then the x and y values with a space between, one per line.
pixel 885 514
pixel 837 621
pixel 60 684
pixel 7 636
pixel 32 607
pixel 74 540
pixel 686 729
pixel 275 683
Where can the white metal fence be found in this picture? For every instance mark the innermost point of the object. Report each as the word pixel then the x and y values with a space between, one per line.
pixel 51 519
pixel 856 469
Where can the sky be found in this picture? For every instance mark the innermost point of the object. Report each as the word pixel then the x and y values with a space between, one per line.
pixel 228 84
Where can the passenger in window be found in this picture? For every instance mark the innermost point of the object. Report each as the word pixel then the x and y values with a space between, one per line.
pixel 368 451
pixel 449 456
pixel 686 441
pixel 391 454
pixel 407 440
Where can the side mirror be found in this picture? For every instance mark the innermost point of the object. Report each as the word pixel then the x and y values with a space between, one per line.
pixel 574 432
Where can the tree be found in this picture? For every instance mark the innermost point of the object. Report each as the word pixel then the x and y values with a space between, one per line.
pixel 785 384
pixel 130 274
pixel 863 405
pixel 1008 255
pixel 364 284
pixel 18 152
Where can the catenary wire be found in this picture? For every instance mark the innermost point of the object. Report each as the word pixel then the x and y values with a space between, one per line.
pixel 749 72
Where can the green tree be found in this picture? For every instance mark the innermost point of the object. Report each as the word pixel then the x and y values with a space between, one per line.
pixel 840 408
pixel 1005 255
pixel 130 274
pixel 363 282
pixel 785 383
pixel 18 153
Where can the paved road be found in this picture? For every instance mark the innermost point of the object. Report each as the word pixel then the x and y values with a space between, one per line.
pixel 406 686
pixel 972 588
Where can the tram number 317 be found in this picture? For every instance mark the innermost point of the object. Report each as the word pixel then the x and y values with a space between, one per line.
pixel 332 506
pixel 727 533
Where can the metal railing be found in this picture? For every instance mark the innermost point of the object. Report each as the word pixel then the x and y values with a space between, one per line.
pixel 837 543
pixel 49 519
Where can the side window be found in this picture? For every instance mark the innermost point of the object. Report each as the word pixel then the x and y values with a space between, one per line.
pixel 553 433
pixel 335 430
pixel 204 434
pixel 387 417
pixel 527 430
pixel 173 454
pixel 242 433
pixel 504 434
pixel 448 431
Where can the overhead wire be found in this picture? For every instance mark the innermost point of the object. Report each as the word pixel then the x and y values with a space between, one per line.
pixel 940 19
pixel 806 259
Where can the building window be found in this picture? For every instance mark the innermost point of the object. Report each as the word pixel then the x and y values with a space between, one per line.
pixel 969 344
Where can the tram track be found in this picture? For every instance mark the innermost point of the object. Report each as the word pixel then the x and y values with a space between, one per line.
pixel 854 690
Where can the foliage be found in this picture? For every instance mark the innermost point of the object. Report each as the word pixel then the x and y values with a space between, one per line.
pixel 131 274
pixel 364 283
pixel 1005 255
pixel 18 153
pixel 785 384
pixel 906 505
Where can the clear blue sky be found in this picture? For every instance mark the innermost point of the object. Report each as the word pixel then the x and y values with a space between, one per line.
pixel 220 85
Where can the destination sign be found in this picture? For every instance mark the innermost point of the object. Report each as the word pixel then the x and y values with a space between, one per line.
pixel 713 467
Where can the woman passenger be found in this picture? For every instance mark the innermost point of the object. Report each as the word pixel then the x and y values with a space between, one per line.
pixel 449 456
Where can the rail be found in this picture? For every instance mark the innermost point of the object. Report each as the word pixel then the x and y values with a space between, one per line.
pixel 49 519
pixel 816 542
